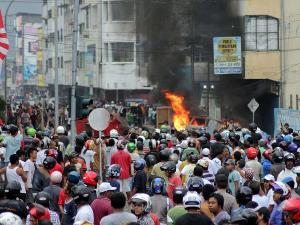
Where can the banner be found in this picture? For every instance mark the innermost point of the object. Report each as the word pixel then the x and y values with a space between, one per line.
pixel 282 116
pixel 227 55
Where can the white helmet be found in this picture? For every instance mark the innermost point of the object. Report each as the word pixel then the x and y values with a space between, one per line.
pixel 113 133
pixel 192 200
pixel 56 177
pixel 184 144
pixel 142 198
pixel 60 130
pixel 8 218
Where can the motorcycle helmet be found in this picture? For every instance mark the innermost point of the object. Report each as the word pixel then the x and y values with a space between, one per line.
pixel 60 130
pixel 251 153
pixel 244 195
pixel 73 177
pixel 139 164
pixel 247 216
pixel 191 200
pixel 89 145
pixel 49 162
pixel 90 178
pixel 144 199
pixel 131 147
pixel 178 194
pixel 164 155
pixel 280 188
pixel 12 190
pixel 151 160
pixel 195 184
pixel 293 148
pixel 169 167
pixel 8 218
pixel 193 158
pixel 42 198
pixel 292 209
pixel 278 155
pixel 113 133
pixel 81 194
pixel 253 127
pixel 114 171
pixel 158 185
pixel 31 132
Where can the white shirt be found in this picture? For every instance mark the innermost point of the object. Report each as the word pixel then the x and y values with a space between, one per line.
pixel 41 155
pixel 215 165
pixel 287 173
pixel 270 197
pixel 29 168
pixel 262 201
pixel 12 175
pixel 88 157
pixel 84 213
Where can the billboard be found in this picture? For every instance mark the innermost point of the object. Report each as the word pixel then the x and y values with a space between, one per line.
pixel 282 116
pixel 227 55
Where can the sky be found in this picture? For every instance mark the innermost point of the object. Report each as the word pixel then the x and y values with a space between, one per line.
pixel 29 6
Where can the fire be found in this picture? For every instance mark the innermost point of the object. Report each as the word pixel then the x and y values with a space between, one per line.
pixel 181 117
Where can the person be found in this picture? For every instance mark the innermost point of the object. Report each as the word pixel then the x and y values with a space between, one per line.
pixel 13 203
pixel 215 205
pixel 291 210
pixel 141 207
pixel 268 180
pixel 118 217
pixel 288 171
pixel 38 213
pixel 173 181
pixel 113 173
pixel 188 170
pixel 12 143
pixel 87 153
pixel 140 177
pixel 217 157
pixel 245 217
pixel 243 197
pixel 157 171
pixel 81 196
pixel 54 189
pixel 15 172
pixel 160 203
pixel 296 191
pixel 252 163
pixel 29 168
pixel 266 161
pixel 123 158
pixel 263 216
pixel 43 199
pixel 234 176
pixel 178 210
pixel 277 158
pixel 261 200
pixel 229 201
pixel 192 202
pixel 90 179
pixel 61 132
pixel 207 191
pixel 280 194
pixel 151 160
pixel 204 163
pixel 102 205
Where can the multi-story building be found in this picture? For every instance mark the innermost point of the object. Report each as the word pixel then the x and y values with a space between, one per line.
pixel 27 46
pixel 108 65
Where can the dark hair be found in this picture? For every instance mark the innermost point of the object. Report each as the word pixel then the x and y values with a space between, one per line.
pixel 237 155
pixel 219 198
pixel 118 200
pixel 216 149
pixel 264 211
pixel 198 171
pixel 45 222
pixel 221 181
pixel 251 205
pixel 14 158
pixel 20 153
pixel 31 150
pixel 111 142
pixel 254 186
pixel 207 191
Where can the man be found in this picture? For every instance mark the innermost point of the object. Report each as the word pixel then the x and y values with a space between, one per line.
pixel 60 130
pixel 229 201
pixel 217 155
pixel 123 158
pixel 261 200
pixel 268 181
pixel 178 209
pixel 215 205
pixel 12 143
pixel 234 176
pixel 102 205
pixel 288 171
pixel 204 164
pixel 156 171
pixel 29 169
pixel 118 217
pixel 192 202
pixel 253 163
pixel 188 170
pixel 54 189
pixel 81 195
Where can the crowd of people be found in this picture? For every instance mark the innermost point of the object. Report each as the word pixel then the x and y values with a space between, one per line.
pixel 236 176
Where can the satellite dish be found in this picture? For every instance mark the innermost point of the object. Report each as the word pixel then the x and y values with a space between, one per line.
pixel 99 119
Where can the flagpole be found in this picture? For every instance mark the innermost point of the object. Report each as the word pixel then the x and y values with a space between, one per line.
pixel 5 62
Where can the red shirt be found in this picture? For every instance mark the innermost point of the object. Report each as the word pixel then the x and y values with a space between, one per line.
pixel 57 167
pixel 101 207
pixel 124 160
pixel 173 183
pixel 62 197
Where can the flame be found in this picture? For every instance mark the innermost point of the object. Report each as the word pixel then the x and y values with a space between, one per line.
pixel 181 117
pixel 195 123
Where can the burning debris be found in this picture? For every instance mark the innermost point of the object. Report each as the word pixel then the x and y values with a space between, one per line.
pixel 181 117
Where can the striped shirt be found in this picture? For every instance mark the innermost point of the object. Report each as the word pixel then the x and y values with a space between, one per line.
pixel 208 176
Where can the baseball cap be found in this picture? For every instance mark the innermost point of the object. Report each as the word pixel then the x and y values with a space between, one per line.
pixel 269 177
pixel 105 186
pixel 205 152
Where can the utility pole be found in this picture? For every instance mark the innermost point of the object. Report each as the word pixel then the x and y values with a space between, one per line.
pixel 5 62
pixel 74 72
pixel 56 105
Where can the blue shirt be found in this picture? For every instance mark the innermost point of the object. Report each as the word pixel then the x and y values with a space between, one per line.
pixel 13 144
pixel 276 215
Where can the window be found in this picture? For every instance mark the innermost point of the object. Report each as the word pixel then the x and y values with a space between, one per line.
pixel 122 11
pixel 81 61
pixel 81 28
pixel 62 35
pixel 94 15
pixel 105 11
pixel 105 55
pixel 58 62
pixel 261 33
pixel 91 50
pixel 122 51
pixel 87 18
pixel 50 63
pixel 62 62
pixel 49 14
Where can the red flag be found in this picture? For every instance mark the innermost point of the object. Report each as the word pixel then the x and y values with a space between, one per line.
pixel 4 45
